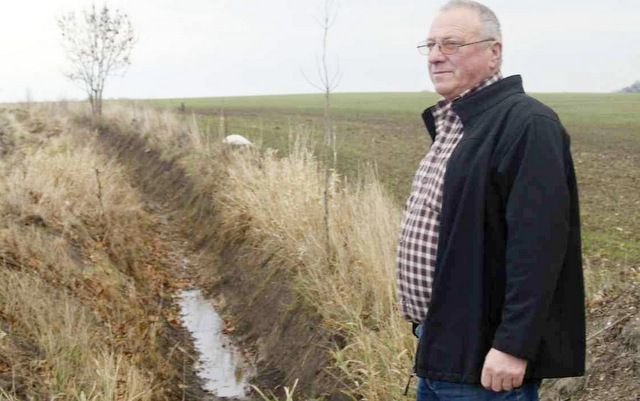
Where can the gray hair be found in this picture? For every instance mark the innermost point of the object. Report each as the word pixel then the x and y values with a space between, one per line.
pixel 490 23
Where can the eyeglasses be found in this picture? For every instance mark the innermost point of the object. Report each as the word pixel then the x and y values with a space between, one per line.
pixel 447 46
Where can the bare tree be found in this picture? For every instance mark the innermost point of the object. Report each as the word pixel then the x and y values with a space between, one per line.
pixel 327 84
pixel 98 44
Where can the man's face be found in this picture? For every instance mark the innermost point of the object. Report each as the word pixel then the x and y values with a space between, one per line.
pixel 452 74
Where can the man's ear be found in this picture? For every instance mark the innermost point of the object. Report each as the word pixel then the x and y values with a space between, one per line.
pixel 496 55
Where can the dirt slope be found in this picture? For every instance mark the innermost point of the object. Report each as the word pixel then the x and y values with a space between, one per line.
pixel 87 276
pixel 613 354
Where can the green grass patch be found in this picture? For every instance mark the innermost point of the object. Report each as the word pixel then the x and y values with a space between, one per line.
pixel 611 245
pixel 617 109
pixel 383 103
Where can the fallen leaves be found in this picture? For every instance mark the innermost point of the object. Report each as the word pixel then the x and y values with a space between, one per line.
pixel 172 316
pixel 180 284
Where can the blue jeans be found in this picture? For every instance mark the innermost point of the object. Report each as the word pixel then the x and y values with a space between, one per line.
pixel 433 390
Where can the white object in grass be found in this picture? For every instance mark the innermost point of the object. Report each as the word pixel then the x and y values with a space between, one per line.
pixel 236 140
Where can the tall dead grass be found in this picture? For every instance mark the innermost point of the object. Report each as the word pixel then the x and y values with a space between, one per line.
pixel 273 205
pixel 277 207
pixel 70 354
pixel 69 225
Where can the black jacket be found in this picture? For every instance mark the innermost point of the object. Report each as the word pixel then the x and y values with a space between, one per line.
pixel 509 267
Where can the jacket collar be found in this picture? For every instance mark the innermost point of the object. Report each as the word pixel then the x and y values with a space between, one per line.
pixel 477 102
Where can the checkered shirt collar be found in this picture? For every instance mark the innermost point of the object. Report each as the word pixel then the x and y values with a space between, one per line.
pixel 443 105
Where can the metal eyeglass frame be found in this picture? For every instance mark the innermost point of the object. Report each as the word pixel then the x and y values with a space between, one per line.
pixel 424 48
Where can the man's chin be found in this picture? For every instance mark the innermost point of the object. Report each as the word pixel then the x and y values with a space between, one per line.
pixel 442 90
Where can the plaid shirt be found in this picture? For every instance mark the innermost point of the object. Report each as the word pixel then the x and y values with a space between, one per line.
pixel 418 241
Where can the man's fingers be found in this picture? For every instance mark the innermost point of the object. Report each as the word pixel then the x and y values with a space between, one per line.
pixel 496 383
pixel 500 383
pixel 502 371
pixel 485 379
pixel 517 381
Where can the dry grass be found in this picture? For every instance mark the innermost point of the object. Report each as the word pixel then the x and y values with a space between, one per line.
pixel 276 207
pixel 71 311
pixel 72 357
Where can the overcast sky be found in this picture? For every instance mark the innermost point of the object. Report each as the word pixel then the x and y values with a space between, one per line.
pixel 192 48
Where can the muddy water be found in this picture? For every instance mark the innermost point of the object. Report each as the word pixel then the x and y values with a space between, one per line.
pixel 221 365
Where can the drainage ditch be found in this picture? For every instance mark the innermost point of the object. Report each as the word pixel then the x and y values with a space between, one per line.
pixel 221 365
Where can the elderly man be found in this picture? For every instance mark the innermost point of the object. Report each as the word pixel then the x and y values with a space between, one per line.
pixel 489 255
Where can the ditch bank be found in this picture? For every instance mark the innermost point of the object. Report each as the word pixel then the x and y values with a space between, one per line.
pixel 268 320
pixel 86 274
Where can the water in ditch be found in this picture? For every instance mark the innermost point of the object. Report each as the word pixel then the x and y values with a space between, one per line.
pixel 221 364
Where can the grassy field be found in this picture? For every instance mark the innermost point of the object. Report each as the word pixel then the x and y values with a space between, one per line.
pixel 621 107
pixel 386 130
pixel 380 103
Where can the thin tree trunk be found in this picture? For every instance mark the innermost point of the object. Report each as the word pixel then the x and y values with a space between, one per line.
pixel 327 172
pixel 327 132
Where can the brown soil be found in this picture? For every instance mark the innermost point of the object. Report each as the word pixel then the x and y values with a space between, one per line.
pixel 174 341
pixel 613 354
pixel 284 334
pixel 279 332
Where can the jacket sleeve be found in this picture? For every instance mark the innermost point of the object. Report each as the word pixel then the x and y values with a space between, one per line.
pixel 532 177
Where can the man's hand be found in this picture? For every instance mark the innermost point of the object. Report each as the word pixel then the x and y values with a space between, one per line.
pixel 502 371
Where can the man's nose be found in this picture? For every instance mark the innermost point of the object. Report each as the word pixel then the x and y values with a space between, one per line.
pixel 435 55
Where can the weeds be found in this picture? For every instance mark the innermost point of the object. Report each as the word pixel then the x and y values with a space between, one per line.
pixel 288 393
